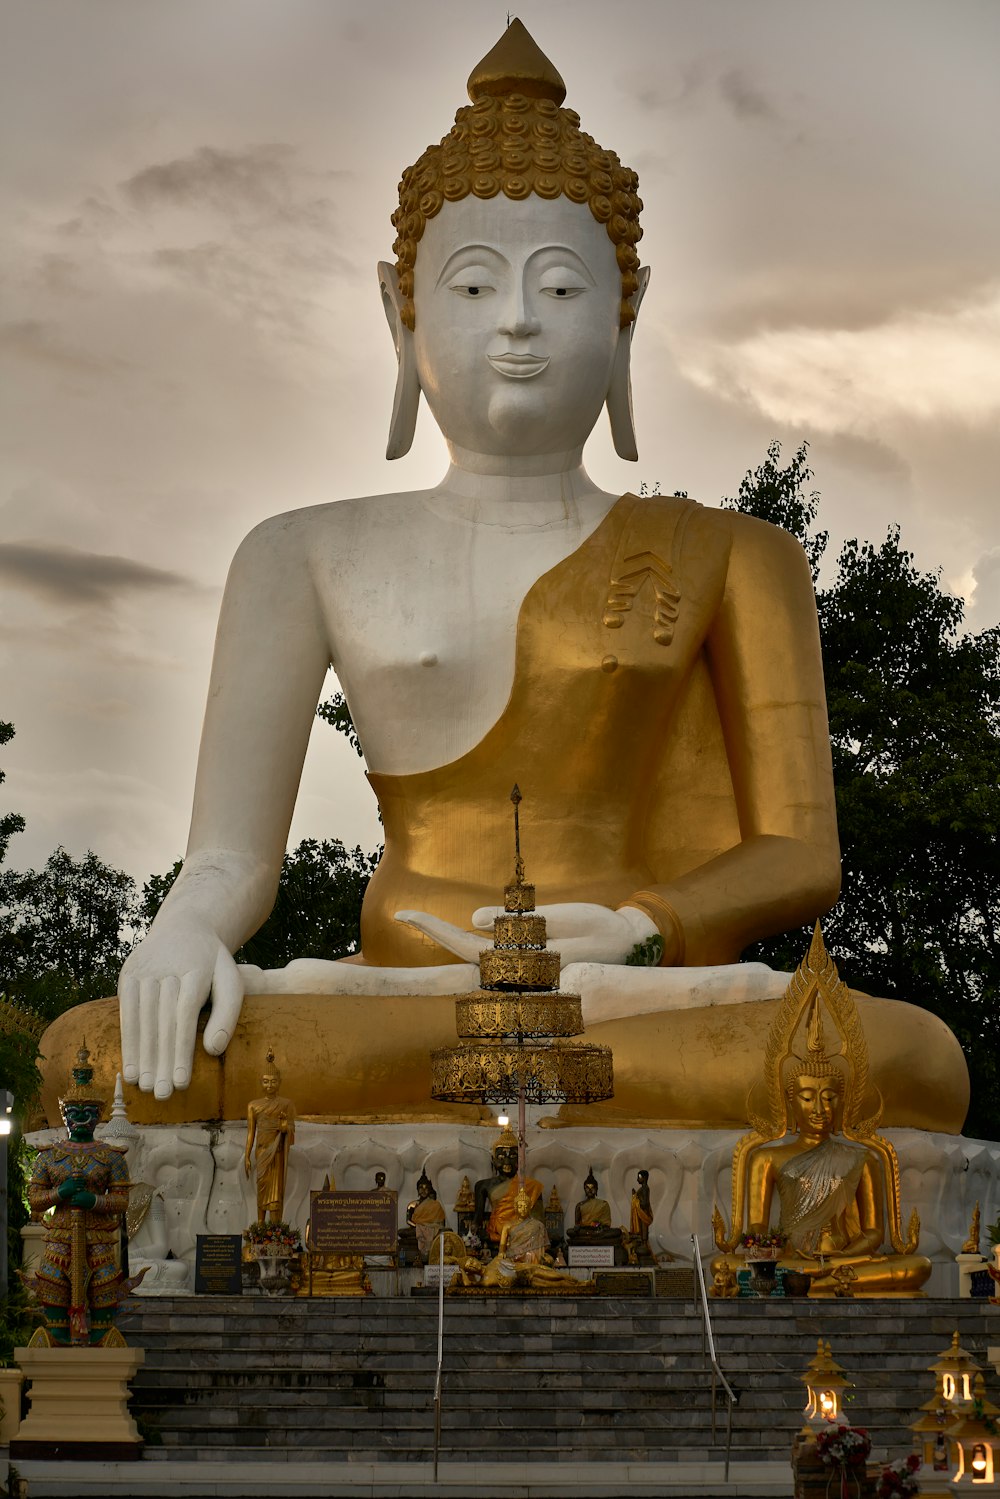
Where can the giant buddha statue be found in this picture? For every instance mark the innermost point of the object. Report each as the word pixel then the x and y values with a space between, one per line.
pixel 814 1154
pixel 647 668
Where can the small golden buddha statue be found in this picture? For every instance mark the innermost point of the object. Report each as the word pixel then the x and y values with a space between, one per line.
pixel 271 1128
pixel 971 1245
pixel 816 1152
pixel 465 1207
pixel 525 1243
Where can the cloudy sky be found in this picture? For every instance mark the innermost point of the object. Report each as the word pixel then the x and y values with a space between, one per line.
pixel 195 196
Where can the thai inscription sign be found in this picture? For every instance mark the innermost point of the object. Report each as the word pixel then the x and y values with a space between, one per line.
pixel 352 1222
pixel 218 1265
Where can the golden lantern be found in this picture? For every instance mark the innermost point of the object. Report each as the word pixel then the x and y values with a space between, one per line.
pixel 974 1436
pixel 953 1373
pixel 825 1384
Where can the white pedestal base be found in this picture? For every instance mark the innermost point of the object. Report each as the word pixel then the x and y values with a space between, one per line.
pixel 79 1395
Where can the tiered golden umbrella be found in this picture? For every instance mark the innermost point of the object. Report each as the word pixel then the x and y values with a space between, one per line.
pixel 514 1031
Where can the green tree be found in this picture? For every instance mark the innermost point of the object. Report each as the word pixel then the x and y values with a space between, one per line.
pixel 65 931
pixel 337 714
pixel 317 911
pixel 10 822
pixel 914 704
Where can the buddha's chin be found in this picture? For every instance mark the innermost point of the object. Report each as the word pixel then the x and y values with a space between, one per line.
pixel 522 419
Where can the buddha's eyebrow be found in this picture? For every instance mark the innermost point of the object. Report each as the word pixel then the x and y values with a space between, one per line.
pixel 563 252
pixel 462 253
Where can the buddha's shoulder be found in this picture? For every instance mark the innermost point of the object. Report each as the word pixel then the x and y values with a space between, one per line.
pixel 336 522
pixel 738 530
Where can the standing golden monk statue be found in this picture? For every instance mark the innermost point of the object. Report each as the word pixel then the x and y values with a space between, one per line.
pixel 271 1126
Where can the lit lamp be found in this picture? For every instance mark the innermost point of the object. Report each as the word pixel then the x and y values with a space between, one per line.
pixel 6 1125
pixel 953 1373
pixel 825 1384
pixel 974 1437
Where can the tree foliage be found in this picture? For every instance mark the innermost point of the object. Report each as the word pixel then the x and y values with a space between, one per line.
pixel 337 714
pixel 914 704
pixel 317 911
pixel 10 822
pixel 65 931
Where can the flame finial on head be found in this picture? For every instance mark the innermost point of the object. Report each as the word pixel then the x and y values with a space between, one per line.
pixel 516 65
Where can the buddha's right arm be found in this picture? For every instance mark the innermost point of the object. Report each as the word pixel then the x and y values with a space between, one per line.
pixel 760 1189
pixel 271 656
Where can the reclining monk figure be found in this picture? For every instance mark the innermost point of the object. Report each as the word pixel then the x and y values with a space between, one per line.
pixel 647 669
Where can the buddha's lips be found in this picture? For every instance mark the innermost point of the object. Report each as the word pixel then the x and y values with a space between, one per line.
pixel 518 366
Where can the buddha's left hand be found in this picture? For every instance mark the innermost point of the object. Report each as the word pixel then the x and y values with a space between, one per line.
pixel 581 932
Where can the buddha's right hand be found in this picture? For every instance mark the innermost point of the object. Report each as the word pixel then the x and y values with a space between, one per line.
pixel 162 988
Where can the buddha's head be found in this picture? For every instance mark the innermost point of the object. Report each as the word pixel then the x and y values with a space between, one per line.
pixel 815 1091
pixel 504 1155
pixel 270 1078
pixel 424 1187
pixel 380 1180
pixel 522 1203
pixel 516 280
pixel 590 1184
pixel 815 1104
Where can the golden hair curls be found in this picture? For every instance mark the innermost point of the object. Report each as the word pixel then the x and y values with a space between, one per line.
pixel 515 144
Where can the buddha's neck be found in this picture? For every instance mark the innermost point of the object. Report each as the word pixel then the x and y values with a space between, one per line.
pixel 539 490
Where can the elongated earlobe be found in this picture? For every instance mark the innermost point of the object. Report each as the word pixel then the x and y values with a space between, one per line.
pixel 619 397
pixel 407 397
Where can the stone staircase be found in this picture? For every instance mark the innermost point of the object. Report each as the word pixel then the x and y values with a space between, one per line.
pixel 526 1379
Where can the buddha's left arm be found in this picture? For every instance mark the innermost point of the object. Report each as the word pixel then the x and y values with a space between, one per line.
pixel 871 1213
pixel 764 658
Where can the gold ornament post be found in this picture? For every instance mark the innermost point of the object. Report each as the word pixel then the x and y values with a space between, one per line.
pixel 514 1031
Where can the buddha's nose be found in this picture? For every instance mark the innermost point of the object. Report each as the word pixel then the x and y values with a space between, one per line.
pixel 516 317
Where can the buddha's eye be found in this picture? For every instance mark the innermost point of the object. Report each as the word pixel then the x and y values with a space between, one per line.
pixel 475 281
pixel 562 283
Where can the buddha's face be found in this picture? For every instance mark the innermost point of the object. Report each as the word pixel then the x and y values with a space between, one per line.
pixel 423 1189
pixel 269 1083
pixel 505 1160
pixel 814 1105
pixel 590 1189
pixel 517 323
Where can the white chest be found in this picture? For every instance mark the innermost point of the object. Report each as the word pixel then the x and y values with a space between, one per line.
pixel 423 622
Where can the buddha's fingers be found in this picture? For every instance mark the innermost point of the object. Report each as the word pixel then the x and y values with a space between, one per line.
pixel 149 990
pixel 128 1013
pixel 193 993
pixel 467 945
pixel 227 1001
pixel 166 1029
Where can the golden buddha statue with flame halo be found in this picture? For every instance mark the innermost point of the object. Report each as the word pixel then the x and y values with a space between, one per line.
pixel 816 1152
pixel 650 668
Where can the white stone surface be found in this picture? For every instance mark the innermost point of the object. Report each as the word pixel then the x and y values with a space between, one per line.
pixel 198 1171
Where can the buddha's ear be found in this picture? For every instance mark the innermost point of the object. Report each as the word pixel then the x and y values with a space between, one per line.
pixel 619 397
pixel 407 396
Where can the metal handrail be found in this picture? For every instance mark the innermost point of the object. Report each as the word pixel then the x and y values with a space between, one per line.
pixel 706 1334
pixel 440 1360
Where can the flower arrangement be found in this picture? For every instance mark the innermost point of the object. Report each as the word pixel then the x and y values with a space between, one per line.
pixel 844 1446
pixel 899 1479
pixel 276 1237
pixel 763 1246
